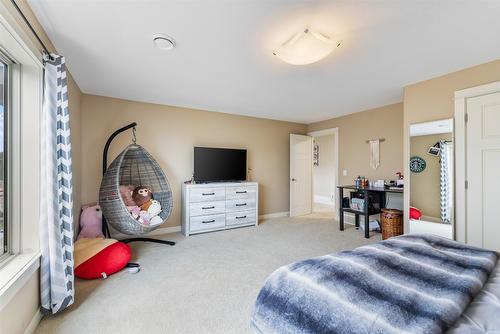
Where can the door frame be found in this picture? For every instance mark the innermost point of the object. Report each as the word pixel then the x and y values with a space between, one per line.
pixel 291 212
pixel 335 133
pixel 461 97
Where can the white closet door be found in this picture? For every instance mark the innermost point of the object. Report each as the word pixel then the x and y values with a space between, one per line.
pixel 483 171
pixel 300 175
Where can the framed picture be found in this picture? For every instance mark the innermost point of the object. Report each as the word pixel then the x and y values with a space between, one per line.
pixel 417 164
pixel 316 155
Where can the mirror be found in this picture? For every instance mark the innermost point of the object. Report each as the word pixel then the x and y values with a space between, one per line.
pixel 432 178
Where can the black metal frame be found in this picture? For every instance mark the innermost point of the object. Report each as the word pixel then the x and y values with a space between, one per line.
pixel 105 227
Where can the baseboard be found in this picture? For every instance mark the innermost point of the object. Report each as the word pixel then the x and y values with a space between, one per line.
pixel 275 215
pixel 159 231
pixel 323 200
pixel 34 322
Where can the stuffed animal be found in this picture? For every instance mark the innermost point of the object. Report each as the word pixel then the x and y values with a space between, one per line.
pixel 146 205
pixel 156 220
pixel 134 211
pixel 144 217
pixel 126 194
pixel 141 195
pixel 91 222
pixel 154 208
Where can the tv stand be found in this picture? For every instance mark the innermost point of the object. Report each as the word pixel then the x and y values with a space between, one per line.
pixel 208 207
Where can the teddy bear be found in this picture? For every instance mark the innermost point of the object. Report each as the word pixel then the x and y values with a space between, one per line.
pixel 141 195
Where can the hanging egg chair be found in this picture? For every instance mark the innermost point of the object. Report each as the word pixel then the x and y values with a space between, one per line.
pixel 134 166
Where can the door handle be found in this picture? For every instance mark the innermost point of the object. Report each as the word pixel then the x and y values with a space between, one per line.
pixel 293 179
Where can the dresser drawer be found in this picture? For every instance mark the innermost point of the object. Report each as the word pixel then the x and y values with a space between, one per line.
pixel 240 204
pixel 207 194
pixel 207 208
pixel 241 192
pixel 240 218
pixel 207 222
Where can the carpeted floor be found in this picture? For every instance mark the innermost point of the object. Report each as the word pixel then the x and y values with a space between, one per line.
pixel 205 284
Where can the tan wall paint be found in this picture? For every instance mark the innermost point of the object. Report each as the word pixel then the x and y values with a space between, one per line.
pixel 434 99
pixel 170 133
pixel 354 153
pixel 425 188
pixel 16 315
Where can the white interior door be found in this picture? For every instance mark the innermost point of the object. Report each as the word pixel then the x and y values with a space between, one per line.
pixel 300 175
pixel 483 171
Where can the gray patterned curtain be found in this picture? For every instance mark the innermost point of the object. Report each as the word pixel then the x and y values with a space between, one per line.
pixel 56 219
pixel 446 180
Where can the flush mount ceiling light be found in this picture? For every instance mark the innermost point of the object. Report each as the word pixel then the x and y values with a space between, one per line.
pixel 306 47
pixel 164 42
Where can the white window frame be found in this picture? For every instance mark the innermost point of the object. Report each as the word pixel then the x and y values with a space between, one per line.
pixel 25 106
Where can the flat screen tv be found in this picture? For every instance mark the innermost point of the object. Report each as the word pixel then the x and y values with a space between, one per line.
pixel 219 164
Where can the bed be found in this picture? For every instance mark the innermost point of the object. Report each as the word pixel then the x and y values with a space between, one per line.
pixel 406 284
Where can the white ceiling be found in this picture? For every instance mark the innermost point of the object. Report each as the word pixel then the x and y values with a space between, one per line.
pixel 223 60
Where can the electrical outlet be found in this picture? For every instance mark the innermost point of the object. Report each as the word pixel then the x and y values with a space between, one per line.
pixel 344 172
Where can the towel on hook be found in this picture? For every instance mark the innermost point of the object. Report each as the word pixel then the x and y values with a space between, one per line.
pixel 374 153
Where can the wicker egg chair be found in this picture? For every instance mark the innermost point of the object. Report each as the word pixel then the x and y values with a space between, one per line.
pixel 133 166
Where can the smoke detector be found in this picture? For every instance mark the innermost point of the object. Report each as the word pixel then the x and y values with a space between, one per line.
pixel 163 42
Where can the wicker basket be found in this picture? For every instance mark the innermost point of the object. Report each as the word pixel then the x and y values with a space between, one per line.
pixel 392 223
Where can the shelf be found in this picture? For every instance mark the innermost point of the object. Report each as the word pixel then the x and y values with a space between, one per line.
pixel 359 212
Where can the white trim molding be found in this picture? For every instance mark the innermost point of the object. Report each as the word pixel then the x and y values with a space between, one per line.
pixel 37 317
pixel 159 231
pixel 461 97
pixel 274 215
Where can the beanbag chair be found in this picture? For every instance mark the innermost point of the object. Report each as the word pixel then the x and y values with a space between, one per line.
pixel 415 213
pixel 99 257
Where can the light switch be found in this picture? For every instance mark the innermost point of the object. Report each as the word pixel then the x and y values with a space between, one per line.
pixel 344 172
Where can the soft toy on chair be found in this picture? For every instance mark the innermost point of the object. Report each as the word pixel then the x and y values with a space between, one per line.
pixel 141 195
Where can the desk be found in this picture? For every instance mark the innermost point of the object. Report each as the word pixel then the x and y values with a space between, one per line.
pixel 367 211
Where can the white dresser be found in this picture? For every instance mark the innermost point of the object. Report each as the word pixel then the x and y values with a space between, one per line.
pixel 219 206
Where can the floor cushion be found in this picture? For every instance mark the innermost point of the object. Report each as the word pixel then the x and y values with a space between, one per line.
pixel 99 257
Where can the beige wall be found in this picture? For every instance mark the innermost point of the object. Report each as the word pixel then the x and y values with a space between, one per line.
pixel 434 99
pixel 425 186
pixel 324 174
pixel 170 133
pixel 16 315
pixel 354 153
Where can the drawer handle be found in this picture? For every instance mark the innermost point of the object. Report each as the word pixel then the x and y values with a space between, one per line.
pixel 208 207
pixel 208 221
pixel 242 204
pixel 241 217
pixel 208 194
pixel 241 192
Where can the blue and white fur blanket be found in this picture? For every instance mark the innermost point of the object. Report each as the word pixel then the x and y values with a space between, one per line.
pixel 406 284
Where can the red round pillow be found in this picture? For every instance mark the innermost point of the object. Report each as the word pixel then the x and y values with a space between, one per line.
pixel 110 260
pixel 415 213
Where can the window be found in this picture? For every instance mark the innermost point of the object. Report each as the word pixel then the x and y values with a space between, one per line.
pixel 4 229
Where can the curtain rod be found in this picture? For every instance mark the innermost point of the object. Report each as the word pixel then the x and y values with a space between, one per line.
pixel 31 28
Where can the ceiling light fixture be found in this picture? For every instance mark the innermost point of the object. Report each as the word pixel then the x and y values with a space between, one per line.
pixel 306 47
pixel 164 42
